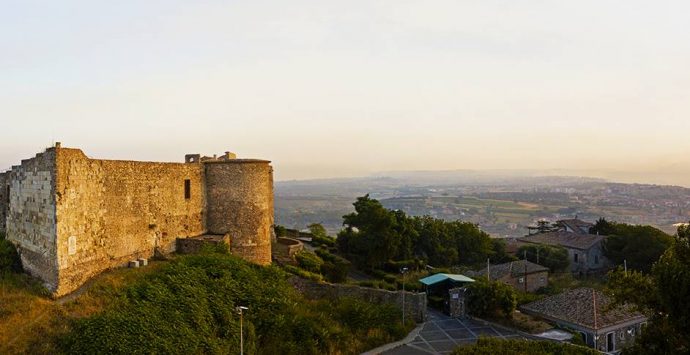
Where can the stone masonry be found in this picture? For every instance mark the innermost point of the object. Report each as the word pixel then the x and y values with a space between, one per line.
pixel 415 303
pixel 73 217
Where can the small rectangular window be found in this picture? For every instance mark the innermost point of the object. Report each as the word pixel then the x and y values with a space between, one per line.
pixel 187 189
pixel 575 257
pixel 596 259
pixel 521 280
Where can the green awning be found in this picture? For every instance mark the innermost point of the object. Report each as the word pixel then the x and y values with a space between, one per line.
pixel 436 278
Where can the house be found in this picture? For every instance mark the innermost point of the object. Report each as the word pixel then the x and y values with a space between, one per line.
pixel 585 251
pixel 574 226
pixel 589 312
pixel 523 275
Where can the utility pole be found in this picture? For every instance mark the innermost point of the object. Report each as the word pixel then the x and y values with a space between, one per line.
pixel 525 275
pixel 625 266
pixel 403 271
pixel 594 305
pixel 239 310
pixel 488 274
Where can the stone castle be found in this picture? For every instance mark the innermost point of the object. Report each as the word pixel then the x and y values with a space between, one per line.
pixel 72 217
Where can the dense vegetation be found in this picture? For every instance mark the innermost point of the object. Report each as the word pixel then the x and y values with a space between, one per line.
pixel 640 246
pixel 189 307
pixel 9 259
pixel 491 299
pixel 666 290
pixel 332 267
pixel 374 235
pixel 494 346
pixel 555 258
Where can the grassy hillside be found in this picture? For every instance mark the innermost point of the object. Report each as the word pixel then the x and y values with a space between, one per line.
pixel 187 305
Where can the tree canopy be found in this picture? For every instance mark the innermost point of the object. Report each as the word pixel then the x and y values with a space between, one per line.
pixel 663 295
pixel 640 246
pixel 374 235
pixel 555 258
pixel 491 299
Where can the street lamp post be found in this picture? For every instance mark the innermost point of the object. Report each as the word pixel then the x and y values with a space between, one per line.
pixel 240 310
pixel 403 271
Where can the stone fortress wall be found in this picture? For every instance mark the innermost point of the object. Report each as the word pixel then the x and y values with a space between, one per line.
pixel 110 212
pixel 4 199
pixel 73 217
pixel 30 214
pixel 244 208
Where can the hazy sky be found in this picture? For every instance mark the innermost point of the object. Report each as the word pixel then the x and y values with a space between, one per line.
pixel 344 88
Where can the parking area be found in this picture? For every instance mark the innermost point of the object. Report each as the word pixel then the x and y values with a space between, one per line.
pixel 441 334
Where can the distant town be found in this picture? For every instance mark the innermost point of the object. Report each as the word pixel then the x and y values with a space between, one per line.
pixel 502 206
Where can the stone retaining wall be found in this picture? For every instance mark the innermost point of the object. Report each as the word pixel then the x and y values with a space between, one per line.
pixel 415 303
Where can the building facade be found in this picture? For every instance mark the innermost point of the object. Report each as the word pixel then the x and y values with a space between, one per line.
pixel 522 275
pixel 585 251
pixel 72 217
pixel 590 313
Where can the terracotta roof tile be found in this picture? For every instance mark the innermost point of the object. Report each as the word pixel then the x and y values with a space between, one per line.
pixel 564 239
pixel 577 307
pixel 514 268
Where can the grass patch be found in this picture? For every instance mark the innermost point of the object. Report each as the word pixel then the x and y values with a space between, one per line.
pixel 523 322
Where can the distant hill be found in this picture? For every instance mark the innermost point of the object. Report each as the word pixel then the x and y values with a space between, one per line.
pixel 502 202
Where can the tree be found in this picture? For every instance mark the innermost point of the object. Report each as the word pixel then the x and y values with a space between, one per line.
pixel 664 298
pixel 490 299
pixel 370 232
pixel 555 258
pixel 374 235
pixel 317 230
pixel 640 246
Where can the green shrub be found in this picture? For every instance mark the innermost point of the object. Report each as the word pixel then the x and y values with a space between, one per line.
pixel 334 269
pixel 303 273
pixel 390 278
pixel 323 241
pixel 491 299
pixel 9 258
pixel 370 284
pixel 188 306
pixel 493 346
pixel 309 261
pixel 379 274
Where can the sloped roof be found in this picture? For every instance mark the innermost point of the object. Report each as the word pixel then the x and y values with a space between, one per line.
pixel 564 239
pixel 577 225
pixel 577 307
pixel 440 277
pixel 513 268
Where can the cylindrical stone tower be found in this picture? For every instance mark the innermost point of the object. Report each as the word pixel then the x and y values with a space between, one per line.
pixel 239 198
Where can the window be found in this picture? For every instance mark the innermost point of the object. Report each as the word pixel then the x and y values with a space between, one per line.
pixel 187 189
pixel 521 280
pixel 596 259
pixel 7 197
pixel 575 257
pixel 610 342
pixel 542 280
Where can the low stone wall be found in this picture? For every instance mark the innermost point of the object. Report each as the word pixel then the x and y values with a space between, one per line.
pixel 415 303
pixel 292 246
pixel 194 245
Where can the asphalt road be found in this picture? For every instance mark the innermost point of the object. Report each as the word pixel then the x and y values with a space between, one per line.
pixel 441 334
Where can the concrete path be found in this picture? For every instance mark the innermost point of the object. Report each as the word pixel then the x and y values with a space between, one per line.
pixel 441 334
